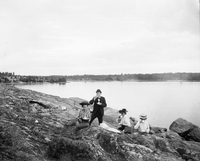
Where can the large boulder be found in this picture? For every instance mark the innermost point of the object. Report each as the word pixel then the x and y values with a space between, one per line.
pixel 194 134
pixel 186 129
pixel 181 126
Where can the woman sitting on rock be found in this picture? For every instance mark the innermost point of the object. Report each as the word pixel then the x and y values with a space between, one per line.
pixel 82 121
pixel 142 125
pixel 123 120
pixel 84 114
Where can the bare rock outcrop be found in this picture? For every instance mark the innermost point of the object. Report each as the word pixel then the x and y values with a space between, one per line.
pixel 32 128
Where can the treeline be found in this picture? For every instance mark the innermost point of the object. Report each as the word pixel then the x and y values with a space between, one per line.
pixel 41 79
pixel 138 77
pixel 6 74
pixel 56 79
pixel 6 77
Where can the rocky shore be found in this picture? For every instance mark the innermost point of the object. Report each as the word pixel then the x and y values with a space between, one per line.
pixel 32 128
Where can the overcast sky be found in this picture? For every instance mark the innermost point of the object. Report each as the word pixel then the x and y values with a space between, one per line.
pixel 69 37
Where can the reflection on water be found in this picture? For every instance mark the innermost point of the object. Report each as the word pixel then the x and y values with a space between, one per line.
pixel 163 102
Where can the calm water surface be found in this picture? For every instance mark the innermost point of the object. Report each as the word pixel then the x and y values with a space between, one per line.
pixel 163 102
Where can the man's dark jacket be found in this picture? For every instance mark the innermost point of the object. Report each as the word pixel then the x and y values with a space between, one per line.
pixel 98 109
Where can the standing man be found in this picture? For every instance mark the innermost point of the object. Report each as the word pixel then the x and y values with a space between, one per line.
pixel 98 109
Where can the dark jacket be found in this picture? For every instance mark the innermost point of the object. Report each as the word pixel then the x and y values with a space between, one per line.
pixel 98 109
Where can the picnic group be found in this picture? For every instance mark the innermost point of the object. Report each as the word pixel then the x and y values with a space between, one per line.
pixel 87 116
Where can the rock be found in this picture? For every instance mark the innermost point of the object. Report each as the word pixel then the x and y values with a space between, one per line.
pixel 47 139
pixel 78 150
pixel 186 149
pixel 181 126
pixel 63 107
pixel 158 129
pixel 42 136
pixel 186 129
pixel 33 108
pixel 147 141
pixel 111 146
pixel 194 134
pixel 172 135
pixel 44 104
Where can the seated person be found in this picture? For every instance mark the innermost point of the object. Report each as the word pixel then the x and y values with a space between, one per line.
pixel 83 118
pixel 84 115
pixel 123 120
pixel 142 126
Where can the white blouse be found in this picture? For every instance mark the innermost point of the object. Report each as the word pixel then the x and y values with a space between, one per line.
pixel 142 126
pixel 125 121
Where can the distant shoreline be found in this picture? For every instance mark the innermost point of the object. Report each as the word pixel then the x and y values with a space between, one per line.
pixel 71 81
pixel 62 79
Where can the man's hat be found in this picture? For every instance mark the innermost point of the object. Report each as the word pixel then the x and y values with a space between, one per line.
pixel 84 103
pixel 98 90
pixel 143 116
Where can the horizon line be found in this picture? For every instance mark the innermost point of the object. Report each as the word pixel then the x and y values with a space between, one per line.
pixel 116 74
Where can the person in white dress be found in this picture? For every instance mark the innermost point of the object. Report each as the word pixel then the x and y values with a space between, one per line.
pixel 123 120
pixel 142 126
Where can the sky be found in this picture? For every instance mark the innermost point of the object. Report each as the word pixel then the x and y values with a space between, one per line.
pixel 65 37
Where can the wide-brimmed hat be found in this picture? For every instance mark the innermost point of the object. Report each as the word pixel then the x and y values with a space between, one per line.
pixel 98 90
pixel 123 111
pixel 84 103
pixel 143 116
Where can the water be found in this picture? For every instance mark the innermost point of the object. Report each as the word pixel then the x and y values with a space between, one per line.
pixel 163 102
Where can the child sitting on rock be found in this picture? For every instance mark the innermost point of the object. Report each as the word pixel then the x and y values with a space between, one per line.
pixel 142 125
pixel 123 120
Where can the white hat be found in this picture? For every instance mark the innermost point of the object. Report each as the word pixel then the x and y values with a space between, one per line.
pixel 143 116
